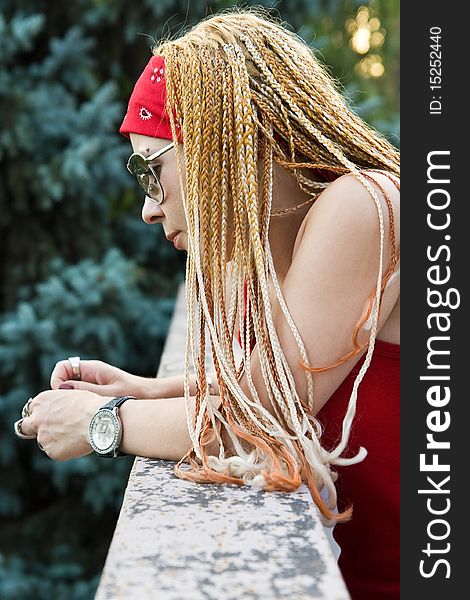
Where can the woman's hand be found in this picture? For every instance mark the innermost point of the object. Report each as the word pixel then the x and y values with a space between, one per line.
pixel 60 419
pixel 100 378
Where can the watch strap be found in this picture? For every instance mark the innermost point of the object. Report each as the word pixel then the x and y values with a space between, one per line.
pixel 116 402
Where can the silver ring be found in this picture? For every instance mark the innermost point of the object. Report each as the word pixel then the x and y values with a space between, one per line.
pixel 40 445
pixel 25 411
pixel 75 363
pixel 19 433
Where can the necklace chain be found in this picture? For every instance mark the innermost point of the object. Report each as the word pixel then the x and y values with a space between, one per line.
pixel 283 211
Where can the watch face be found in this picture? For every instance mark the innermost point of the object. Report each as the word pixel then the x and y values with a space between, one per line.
pixel 104 430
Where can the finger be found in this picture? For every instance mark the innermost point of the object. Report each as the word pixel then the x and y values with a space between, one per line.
pixel 28 426
pixel 41 443
pixel 84 385
pixel 63 373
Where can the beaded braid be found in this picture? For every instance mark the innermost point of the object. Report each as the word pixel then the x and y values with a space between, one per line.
pixel 248 93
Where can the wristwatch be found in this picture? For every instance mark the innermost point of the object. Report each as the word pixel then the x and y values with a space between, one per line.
pixel 105 429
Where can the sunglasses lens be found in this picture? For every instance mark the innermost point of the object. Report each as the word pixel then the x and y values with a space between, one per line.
pixel 146 179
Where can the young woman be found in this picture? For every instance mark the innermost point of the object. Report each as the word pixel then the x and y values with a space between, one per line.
pixel 287 205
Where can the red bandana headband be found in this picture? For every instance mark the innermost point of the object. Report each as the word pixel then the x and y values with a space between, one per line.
pixel 146 113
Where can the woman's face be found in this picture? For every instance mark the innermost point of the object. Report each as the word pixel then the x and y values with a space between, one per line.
pixel 171 212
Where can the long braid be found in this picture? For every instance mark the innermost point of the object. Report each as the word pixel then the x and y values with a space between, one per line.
pixel 248 93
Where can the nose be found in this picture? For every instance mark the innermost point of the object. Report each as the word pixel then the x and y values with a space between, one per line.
pixel 151 211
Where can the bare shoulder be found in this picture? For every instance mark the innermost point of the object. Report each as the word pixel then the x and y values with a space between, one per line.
pixel 348 199
pixel 349 183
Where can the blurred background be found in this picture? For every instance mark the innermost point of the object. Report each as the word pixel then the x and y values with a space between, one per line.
pixel 80 273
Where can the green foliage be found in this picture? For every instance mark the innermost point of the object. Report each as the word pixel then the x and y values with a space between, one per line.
pixel 30 579
pixel 80 273
pixel 91 305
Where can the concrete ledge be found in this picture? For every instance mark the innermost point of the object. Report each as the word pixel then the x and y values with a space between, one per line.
pixel 177 540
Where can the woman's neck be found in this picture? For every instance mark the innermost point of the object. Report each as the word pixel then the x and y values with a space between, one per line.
pixel 283 230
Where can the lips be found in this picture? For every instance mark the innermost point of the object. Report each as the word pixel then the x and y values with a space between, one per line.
pixel 171 236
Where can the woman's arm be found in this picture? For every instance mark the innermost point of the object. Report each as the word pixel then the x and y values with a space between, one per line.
pixel 158 428
pixel 172 387
pixel 106 380
pixel 152 428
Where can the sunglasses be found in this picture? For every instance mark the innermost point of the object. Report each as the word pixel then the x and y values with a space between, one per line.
pixel 147 177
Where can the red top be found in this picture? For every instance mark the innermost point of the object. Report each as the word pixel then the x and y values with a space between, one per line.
pixel 370 542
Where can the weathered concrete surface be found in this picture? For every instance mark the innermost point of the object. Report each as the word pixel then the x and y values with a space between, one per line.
pixel 176 540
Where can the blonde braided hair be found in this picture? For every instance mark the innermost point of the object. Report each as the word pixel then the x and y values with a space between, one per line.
pixel 246 92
